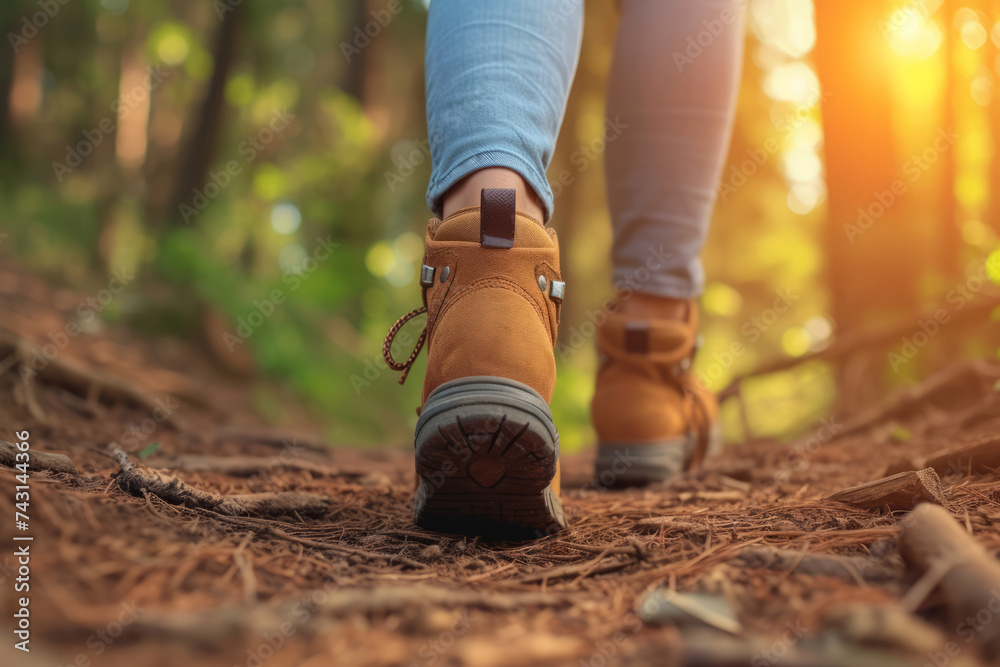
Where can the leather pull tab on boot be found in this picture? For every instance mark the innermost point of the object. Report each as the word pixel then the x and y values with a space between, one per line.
pixel 496 217
pixel 637 337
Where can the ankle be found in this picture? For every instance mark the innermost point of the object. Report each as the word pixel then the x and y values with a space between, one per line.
pixel 640 306
pixel 467 191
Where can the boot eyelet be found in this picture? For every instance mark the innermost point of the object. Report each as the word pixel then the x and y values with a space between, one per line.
pixel 543 283
pixel 558 291
pixel 445 272
pixel 426 275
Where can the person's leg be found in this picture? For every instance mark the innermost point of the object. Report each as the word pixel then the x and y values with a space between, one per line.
pixel 486 448
pixel 675 104
pixel 497 78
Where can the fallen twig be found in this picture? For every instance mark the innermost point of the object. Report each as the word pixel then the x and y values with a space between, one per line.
pixel 136 477
pixel 39 460
pixel 670 525
pixel 240 466
pixel 901 491
pixel 979 457
pixel 968 578
pixel 597 565
pixel 826 565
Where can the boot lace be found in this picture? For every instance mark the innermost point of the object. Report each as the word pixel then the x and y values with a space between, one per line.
pixel 680 377
pixel 702 427
pixel 404 366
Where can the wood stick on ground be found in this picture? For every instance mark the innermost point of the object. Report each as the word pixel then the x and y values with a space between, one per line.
pixel 670 526
pixel 241 466
pixel 970 584
pixel 593 566
pixel 901 491
pixel 825 565
pixel 39 460
pixel 979 457
pixel 136 477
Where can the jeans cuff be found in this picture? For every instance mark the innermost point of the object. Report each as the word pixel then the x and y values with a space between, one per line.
pixel 670 286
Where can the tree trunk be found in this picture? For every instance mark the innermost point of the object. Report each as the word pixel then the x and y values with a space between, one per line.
pixel 867 273
pixel 197 157
pixel 6 81
pixel 950 247
pixel 354 80
pixel 872 264
pixel 993 111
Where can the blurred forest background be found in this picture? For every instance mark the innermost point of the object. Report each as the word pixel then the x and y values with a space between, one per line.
pixel 259 168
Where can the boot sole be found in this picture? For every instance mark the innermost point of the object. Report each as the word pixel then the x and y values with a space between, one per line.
pixel 486 453
pixel 622 465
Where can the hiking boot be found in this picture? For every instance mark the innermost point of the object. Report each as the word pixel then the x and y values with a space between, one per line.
pixel 486 446
pixel 653 418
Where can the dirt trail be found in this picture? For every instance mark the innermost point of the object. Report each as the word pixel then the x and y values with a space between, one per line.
pixel 162 566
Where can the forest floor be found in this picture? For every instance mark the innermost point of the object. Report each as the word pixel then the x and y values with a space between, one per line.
pixel 754 562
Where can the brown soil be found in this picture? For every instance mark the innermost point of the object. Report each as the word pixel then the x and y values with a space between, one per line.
pixel 125 572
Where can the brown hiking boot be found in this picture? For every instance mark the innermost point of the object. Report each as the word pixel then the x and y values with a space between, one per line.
pixel 487 449
pixel 653 419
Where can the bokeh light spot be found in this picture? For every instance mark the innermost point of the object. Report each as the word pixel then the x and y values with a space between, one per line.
pixel 795 341
pixel 993 266
pixel 721 299
pixel 401 275
pixel 409 246
pixel 115 7
pixel 911 34
pixel 818 328
pixel 268 182
pixel 285 218
pixel 973 34
pixel 170 42
pixel 975 233
pixel 794 82
pixel 240 90
pixel 381 259
pixel 981 90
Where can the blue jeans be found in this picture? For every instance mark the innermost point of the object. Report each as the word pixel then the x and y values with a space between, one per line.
pixel 498 74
